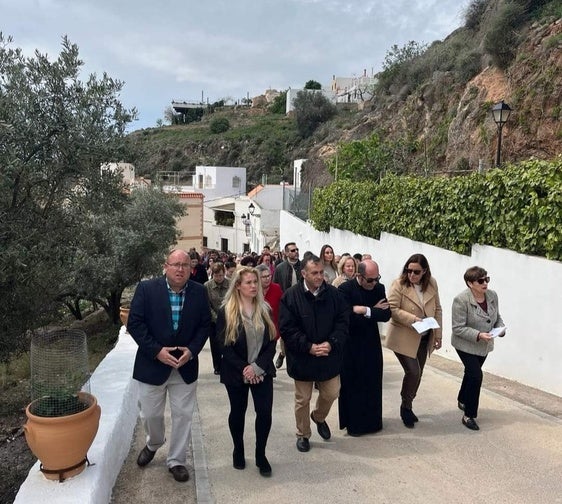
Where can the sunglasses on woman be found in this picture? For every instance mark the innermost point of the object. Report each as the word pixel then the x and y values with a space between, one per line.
pixel 412 271
pixel 482 280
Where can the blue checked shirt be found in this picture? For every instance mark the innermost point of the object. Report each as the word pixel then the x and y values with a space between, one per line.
pixel 176 302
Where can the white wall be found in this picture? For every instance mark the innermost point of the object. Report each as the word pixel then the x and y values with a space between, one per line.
pixel 528 289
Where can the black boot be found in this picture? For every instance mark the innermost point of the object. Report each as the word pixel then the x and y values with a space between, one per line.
pixel 407 417
pixel 263 465
pixel 238 460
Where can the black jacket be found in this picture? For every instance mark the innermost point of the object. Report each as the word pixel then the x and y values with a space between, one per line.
pixel 283 274
pixel 150 325
pixel 305 319
pixel 235 356
pixel 200 275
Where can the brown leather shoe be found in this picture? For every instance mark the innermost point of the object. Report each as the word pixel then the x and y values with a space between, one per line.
pixel 179 473
pixel 145 456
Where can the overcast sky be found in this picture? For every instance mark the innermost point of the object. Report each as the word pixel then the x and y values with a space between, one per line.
pixel 179 49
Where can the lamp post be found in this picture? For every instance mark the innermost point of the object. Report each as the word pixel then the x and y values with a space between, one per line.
pixel 500 113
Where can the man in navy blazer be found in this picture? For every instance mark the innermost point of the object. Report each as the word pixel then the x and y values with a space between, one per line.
pixel 169 319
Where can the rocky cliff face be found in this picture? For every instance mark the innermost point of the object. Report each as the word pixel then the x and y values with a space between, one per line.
pixel 453 123
pixel 532 86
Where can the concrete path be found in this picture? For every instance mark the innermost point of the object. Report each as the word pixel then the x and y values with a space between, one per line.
pixel 516 457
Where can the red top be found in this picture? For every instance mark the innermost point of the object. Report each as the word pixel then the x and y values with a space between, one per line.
pixel 273 297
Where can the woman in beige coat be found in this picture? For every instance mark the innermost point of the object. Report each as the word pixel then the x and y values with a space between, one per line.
pixel 412 297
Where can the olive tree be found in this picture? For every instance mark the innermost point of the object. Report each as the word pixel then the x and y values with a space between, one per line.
pixel 56 131
pixel 312 108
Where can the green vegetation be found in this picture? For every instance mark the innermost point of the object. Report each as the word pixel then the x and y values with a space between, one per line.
pixel 219 125
pixel 68 229
pixel 261 141
pixel 371 158
pixel 279 105
pixel 311 110
pixel 517 208
pixel 312 84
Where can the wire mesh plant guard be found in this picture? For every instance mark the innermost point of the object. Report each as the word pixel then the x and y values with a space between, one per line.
pixel 59 370
pixel 63 416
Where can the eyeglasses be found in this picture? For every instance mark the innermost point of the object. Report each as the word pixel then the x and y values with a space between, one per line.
pixel 179 265
pixel 371 280
pixel 265 276
pixel 294 250
pixel 483 280
pixel 412 271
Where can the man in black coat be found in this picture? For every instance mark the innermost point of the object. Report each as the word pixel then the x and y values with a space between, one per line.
pixel 287 273
pixel 313 322
pixel 169 320
pixel 360 401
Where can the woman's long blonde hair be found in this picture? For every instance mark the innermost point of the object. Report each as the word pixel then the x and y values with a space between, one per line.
pixel 233 307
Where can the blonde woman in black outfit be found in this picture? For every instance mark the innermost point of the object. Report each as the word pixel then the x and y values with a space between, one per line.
pixel 245 327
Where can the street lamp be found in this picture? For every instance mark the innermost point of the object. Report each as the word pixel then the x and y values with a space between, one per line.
pixel 500 113
pixel 251 208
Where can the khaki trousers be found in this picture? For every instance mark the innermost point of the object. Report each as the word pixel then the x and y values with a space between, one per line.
pixel 328 392
pixel 152 402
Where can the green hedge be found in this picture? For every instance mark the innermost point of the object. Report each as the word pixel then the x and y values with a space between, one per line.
pixel 518 207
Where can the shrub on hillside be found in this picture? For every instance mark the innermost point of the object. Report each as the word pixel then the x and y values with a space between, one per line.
pixel 279 104
pixel 219 125
pixel 474 13
pixel 312 109
pixel 502 39
pixel 468 65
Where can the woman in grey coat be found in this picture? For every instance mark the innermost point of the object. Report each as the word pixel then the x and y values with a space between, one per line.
pixel 475 313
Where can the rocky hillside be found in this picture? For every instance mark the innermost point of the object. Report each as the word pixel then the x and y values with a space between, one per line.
pixel 446 117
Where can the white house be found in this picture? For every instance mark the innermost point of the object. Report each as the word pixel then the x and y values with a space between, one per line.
pixel 353 89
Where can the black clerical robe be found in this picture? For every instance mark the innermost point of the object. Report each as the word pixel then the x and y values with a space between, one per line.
pixel 360 401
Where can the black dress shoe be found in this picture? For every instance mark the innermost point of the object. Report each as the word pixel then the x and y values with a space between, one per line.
pixel 264 466
pixel 460 405
pixel 279 361
pixel 470 423
pixel 322 428
pixel 407 418
pixel 303 444
pixel 179 473
pixel 238 460
pixel 145 456
pixel 414 417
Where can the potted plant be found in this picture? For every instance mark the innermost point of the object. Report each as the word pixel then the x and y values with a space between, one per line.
pixel 62 418
pixel 124 313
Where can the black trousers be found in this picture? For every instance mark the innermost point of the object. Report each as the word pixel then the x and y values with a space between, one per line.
pixel 262 395
pixel 215 346
pixel 413 370
pixel 469 393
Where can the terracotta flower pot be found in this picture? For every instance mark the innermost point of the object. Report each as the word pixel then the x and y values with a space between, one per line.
pixel 61 443
pixel 124 315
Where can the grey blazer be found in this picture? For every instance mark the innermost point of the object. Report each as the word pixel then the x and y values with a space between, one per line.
pixel 469 320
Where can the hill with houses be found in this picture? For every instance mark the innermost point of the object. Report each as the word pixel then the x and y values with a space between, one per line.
pixel 437 107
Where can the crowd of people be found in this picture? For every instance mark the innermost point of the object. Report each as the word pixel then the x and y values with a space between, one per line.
pixel 324 311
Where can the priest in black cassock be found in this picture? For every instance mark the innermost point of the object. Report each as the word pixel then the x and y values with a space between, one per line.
pixel 360 401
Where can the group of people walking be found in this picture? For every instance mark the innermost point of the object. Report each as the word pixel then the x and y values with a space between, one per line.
pixel 329 336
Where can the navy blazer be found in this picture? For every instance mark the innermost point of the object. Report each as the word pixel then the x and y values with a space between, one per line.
pixel 235 356
pixel 150 325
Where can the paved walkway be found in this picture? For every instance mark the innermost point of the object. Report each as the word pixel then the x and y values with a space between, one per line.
pixel 516 457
